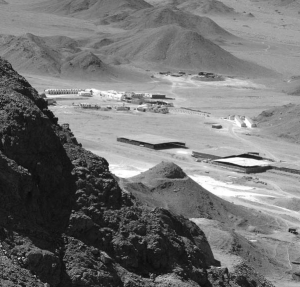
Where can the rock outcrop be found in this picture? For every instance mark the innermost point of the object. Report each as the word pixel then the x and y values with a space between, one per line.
pixel 64 221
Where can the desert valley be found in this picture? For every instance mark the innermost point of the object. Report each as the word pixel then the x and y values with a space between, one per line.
pixel 157 117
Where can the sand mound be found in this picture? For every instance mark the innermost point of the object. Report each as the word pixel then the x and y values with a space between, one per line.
pixel 167 186
pixel 173 47
pixel 282 122
pixel 162 16
pixel 3 2
pixel 91 9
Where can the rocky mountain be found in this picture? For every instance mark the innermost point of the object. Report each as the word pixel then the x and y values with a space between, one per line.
pixel 210 7
pixel 167 186
pixel 163 16
pixel 155 37
pixel 173 47
pixel 64 220
pixel 92 9
pixel 56 56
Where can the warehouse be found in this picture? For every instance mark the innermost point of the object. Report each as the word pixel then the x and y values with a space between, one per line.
pixel 152 141
pixel 243 164
pixel 158 96
pixel 239 122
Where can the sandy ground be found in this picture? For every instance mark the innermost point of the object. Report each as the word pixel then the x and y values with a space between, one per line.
pixel 270 41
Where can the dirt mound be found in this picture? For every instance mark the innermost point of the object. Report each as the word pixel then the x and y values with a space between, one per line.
pixel 174 47
pixel 281 122
pixel 162 16
pixel 212 7
pixel 167 186
pixel 92 9
pixel 163 170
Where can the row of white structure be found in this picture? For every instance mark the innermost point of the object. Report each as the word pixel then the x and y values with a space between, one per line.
pixel 63 91
pixel 246 122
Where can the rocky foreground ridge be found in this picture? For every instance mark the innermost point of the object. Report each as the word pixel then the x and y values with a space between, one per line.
pixel 64 220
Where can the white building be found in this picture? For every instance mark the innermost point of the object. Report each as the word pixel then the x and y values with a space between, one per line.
pixel 84 94
pixel 250 123
pixel 239 122
pixel 112 95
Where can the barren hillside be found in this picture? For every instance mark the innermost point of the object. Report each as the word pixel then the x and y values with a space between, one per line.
pixel 162 16
pixel 58 55
pixel 92 9
pixel 281 122
pixel 166 185
pixel 171 46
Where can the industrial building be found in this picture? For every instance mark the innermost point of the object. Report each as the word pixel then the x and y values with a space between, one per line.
pixel 250 162
pixel 239 122
pixel 250 123
pixel 151 141
pixel 243 164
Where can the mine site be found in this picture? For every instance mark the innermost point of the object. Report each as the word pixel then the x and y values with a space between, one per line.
pixel 150 143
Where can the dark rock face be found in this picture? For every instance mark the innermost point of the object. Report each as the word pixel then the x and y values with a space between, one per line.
pixel 64 221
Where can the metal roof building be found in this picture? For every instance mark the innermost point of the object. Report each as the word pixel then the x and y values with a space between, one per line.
pixel 243 164
pixel 152 141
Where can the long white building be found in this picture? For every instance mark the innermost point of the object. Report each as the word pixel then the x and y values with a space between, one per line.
pixel 239 122
pixel 250 123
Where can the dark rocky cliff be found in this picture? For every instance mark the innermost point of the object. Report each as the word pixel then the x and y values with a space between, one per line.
pixel 64 221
